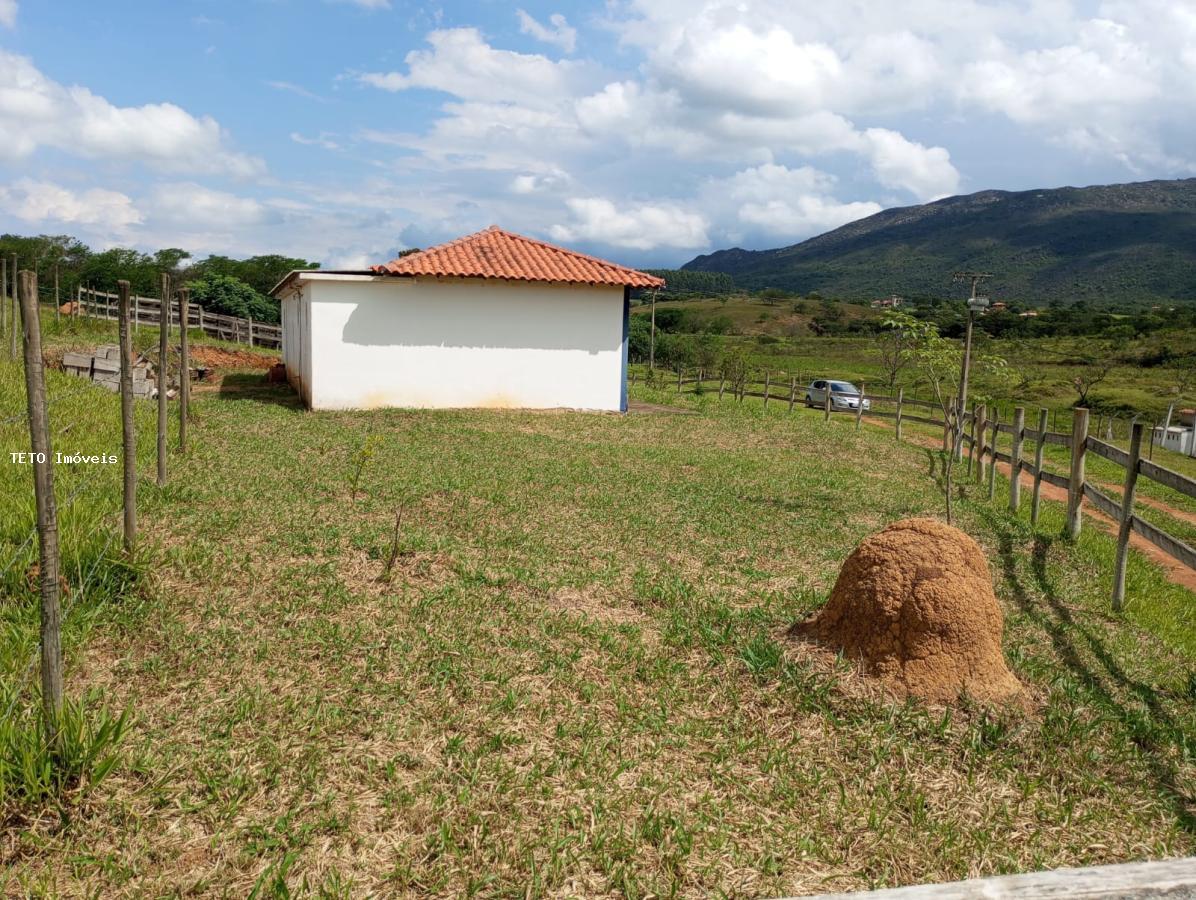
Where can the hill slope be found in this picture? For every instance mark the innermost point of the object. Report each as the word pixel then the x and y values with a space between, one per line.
pixel 1112 242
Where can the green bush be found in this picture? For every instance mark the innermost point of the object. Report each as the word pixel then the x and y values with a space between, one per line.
pixel 232 297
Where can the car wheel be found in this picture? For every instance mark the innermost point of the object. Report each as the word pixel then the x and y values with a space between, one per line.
pixel 809 402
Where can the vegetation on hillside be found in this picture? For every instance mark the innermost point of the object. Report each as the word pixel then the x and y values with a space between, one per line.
pixel 1113 243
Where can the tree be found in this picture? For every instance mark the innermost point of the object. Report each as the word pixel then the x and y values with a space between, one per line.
pixel 232 297
pixel 1097 366
pixel 892 345
pixel 938 360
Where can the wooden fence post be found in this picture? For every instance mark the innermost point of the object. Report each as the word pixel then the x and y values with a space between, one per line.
pixel 859 408
pixel 680 369
pixel 900 402
pixel 184 368
pixel 995 431
pixel 978 429
pixel 12 332
pixel 47 513
pixel 57 299
pixel 126 417
pixel 722 384
pixel 4 295
pixel 767 381
pixel 250 329
pixel 792 392
pixel 1015 459
pixel 163 356
pixel 201 319
pixel 136 313
pixel 1075 483
pixel 1127 515
pixel 1036 496
pixel 826 402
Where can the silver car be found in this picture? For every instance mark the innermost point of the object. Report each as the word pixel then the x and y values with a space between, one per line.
pixel 844 395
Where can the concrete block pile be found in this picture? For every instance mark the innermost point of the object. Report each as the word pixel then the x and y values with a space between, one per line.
pixel 103 367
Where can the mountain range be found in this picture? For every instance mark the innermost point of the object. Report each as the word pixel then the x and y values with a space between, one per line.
pixel 1104 244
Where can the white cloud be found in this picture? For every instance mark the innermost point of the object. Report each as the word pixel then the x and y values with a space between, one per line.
pixel 461 63
pixel 561 34
pixel 200 207
pixel 783 202
pixel 296 89
pixel 323 139
pixel 43 202
pixel 36 111
pixel 644 226
pixel 926 172
pixel 8 13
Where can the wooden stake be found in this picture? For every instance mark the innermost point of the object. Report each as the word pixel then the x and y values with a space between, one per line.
pixel 4 295
pixel 1127 516
pixel 1036 497
pixel 57 300
pixel 12 332
pixel 1075 483
pixel 826 402
pixel 994 430
pixel 47 514
pixel 767 376
pixel 900 402
pixel 859 408
pixel 1015 459
pixel 979 427
pixel 792 393
pixel 163 354
pixel 184 368
pixel 126 416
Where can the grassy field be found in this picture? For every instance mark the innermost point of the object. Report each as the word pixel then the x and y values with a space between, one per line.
pixel 576 681
pixel 1040 373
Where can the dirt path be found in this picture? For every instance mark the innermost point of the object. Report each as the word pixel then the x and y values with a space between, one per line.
pixel 1176 571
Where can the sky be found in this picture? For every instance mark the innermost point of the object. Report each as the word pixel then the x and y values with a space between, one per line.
pixel 645 131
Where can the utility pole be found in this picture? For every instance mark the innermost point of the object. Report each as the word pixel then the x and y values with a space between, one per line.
pixel 975 303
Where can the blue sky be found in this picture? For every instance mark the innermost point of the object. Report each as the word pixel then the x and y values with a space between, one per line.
pixel 344 130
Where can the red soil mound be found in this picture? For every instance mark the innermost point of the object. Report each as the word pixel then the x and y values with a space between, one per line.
pixel 914 605
pixel 219 358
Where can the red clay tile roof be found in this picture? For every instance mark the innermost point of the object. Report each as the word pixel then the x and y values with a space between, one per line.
pixel 495 253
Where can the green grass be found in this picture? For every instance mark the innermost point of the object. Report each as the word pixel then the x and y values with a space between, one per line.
pixel 577 679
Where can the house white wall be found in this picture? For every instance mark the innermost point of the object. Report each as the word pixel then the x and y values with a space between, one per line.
pixel 1181 440
pixel 419 342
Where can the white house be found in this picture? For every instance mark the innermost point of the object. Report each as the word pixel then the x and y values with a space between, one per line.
pixel 1179 439
pixel 493 319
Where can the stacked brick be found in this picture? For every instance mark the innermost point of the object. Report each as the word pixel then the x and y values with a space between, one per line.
pixel 103 367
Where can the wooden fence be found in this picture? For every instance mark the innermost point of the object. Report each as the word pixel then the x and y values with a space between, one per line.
pixel 981 437
pixel 148 310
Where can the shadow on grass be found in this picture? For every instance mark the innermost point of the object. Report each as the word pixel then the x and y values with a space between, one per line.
pixel 1159 738
pixel 253 386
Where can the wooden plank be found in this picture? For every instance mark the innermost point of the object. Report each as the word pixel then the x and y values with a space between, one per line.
pixel 1102 501
pixel 922 419
pixel 1054 478
pixel 1165 476
pixel 1108 451
pixel 1127 516
pixel 1059 440
pixel 1173 547
pixel 1164 878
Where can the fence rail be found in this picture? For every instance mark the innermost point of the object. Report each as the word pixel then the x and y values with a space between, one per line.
pixel 148 310
pixel 983 452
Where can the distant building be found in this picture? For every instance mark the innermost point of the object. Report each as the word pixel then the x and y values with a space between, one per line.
pixel 1029 314
pixel 1176 438
pixel 493 319
pixel 891 302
